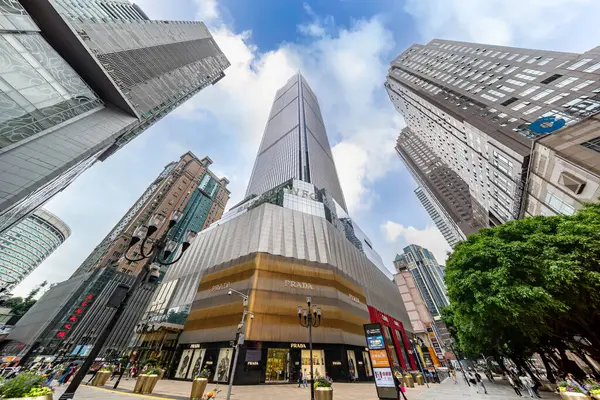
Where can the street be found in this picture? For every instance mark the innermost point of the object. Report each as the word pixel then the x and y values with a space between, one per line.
pixel 179 390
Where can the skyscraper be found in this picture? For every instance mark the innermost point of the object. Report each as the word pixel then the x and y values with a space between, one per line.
pixel 478 107
pixel 186 185
pixel 81 79
pixel 295 144
pixel 25 245
pixel 428 278
pixel 288 240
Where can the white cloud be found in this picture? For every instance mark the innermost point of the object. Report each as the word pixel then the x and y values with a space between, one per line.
pixel 345 69
pixel 430 238
pixel 567 25
pixel 318 26
pixel 207 11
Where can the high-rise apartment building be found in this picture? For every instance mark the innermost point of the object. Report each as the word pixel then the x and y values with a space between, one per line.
pixel 187 186
pixel 429 279
pixel 421 319
pixel 478 107
pixel 438 181
pixel 288 240
pixel 81 79
pixel 25 245
pixel 440 217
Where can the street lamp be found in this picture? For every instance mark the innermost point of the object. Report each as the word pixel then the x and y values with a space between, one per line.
pixel 159 253
pixel 415 343
pixel 239 336
pixel 309 319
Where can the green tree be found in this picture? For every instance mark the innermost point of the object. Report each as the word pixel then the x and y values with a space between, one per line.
pixel 528 285
pixel 19 306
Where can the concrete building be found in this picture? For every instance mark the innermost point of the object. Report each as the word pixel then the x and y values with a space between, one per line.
pixel 284 242
pixel 565 170
pixel 420 318
pixel 81 79
pixel 478 108
pixel 453 209
pixel 429 279
pixel 25 245
pixel 188 186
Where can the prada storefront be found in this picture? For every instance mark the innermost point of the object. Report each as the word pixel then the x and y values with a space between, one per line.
pixel 279 257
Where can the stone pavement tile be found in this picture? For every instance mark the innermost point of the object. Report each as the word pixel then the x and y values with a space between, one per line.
pixel 448 390
pixel 181 390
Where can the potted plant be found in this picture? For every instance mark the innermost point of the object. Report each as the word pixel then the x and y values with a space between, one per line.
pixel 147 381
pixel 570 392
pixel 594 389
pixel 102 375
pixel 323 388
pixel 199 384
pixel 26 385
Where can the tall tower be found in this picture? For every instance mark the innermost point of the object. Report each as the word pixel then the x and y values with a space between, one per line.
pixel 79 81
pixel 295 144
pixel 478 108
pixel 27 244
pixel 290 239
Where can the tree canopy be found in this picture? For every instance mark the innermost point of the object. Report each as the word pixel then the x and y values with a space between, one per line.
pixel 19 305
pixel 527 285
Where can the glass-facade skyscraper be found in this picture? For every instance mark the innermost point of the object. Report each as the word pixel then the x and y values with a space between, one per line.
pixel 295 144
pixel 78 80
pixel 478 108
pixel 26 244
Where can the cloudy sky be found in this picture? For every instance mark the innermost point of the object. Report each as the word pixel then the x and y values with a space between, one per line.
pixel 343 48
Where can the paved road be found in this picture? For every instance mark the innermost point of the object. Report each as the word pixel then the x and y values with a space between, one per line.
pixel 177 390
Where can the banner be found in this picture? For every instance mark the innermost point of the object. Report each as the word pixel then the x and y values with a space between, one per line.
pixel 384 378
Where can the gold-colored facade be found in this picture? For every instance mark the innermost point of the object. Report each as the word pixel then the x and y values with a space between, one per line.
pixel 276 286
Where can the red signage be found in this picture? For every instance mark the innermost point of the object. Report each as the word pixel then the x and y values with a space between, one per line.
pixel 74 317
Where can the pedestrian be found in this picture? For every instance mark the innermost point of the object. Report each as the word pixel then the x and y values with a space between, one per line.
pixel 304 379
pixel 454 377
pixel 63 376
pixel 528 384
pixel 571 381
pixel 400 384
pixel 514 385
pixel 71 373
pixel 299 378
pixel 479 382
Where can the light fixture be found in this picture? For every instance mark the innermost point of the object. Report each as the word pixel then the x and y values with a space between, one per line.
pixel 155 221
pixel 187 241
pixel 175 216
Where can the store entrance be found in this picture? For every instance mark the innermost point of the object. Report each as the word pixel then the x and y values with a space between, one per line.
pixel 278 366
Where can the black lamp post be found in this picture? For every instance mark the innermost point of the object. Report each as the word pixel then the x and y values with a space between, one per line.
pixel 310 318
pixel 159 253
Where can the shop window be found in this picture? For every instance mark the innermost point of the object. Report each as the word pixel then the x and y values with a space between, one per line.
pixel 278 365
pixel 318 363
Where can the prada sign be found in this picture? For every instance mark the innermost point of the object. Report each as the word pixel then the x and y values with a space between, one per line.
pixel 297 345
pixel 220 286
pixel 354 299
pixel 298 285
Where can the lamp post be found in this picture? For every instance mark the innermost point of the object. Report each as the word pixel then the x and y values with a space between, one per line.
pixel 159 253
pixel 310 318
pixel 239 337
pixel 418 354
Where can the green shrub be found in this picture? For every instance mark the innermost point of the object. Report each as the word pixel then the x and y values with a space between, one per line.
pixel 20 385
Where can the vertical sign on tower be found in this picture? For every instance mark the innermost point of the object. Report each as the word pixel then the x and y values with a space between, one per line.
pixel 384 378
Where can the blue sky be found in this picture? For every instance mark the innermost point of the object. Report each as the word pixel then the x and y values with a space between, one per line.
pixel 343 47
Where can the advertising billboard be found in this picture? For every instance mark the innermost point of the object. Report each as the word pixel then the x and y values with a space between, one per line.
pixel 384 379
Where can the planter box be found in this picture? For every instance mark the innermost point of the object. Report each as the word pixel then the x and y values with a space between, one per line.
pixel 198 388
pixel 574 396
pixel 145 384
pixel 323 393
pixel 46 397
pixel 101 378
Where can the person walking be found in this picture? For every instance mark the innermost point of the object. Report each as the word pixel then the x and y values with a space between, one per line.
pixel 453 375
pixel 514 385
pixel 304 379
pixel 528 384
pixel 63 376
pixel 478 382
pixel 300 378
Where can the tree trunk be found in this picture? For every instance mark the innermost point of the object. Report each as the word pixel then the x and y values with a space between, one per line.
pixel 549 373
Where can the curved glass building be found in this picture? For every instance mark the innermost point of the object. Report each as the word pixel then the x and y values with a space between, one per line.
pixel 25 245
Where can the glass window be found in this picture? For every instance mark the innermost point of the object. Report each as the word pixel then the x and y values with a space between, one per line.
pixel 579 63
pixel 529 91
pixel 582 85
pixel 559 205
pixel 515 82
pixel 545 61
pixel 566 81
pixel 593 144
pixel 542 94
pixel 592 68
